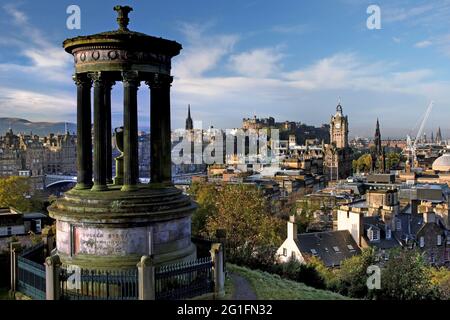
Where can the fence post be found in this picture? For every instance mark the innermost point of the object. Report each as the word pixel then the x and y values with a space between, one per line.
pixel 218 272
pixel 14 249
pixel 52 285
pixel 146 278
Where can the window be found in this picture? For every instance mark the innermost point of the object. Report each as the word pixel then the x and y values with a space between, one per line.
pixel 388 233
pixel 9 231
pixel 350 247
pixel 422 242
pixel 336 249
pixel 439 240
pixel 398 224
pixel 285 252
pixel 314 252
pixel 373 234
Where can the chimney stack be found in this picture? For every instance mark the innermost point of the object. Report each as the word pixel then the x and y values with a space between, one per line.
pixel 292 228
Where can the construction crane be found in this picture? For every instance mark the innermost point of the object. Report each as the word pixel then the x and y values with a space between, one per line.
pixel 412 145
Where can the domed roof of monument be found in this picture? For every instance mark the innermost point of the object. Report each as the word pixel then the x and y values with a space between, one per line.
pixel 123 37
pixel 442 163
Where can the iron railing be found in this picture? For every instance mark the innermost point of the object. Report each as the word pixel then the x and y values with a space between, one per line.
pixel 184 280
pixel 82 284
pixel 31 272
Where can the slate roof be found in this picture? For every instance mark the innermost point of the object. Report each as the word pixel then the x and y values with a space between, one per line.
pixel 324 244
pixel 376 223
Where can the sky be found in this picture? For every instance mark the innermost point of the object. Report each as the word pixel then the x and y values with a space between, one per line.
pixel 290 59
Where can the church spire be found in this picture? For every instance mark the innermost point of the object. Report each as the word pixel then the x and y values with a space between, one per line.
pixel 439 136
pixel 189 122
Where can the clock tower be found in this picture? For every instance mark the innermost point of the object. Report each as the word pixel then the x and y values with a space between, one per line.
pixel 339 129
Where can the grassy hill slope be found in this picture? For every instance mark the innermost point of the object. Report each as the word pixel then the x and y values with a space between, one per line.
pixel 273 287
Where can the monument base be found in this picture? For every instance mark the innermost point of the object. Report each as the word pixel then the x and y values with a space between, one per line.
pixel 113 229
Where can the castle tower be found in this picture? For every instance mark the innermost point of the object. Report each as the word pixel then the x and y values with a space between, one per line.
pixel 111 224
pixel 189 122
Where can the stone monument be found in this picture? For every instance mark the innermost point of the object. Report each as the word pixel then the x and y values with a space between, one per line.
pixel 106 221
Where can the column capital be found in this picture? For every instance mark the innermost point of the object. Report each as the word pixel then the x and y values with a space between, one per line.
pixel 159 80
pixel 101 78
pixel 130 78
pixel 81 79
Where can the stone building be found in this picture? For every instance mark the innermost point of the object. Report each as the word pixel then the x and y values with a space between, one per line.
pixel 60 154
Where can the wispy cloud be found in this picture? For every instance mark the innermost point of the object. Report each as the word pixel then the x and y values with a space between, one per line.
pixel 26 84
pixel 257 63
pixel 423 44
pixel 203 52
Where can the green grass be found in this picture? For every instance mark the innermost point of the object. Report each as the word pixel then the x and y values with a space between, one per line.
pixel 269 286
pixel 229 288
pixel 4 294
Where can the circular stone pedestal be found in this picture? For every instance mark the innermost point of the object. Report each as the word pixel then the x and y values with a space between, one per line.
pixel 113 229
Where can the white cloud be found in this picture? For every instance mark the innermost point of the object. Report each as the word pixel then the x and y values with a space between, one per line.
pixel 26 86
pixel 257 63
pixel 203 53
pixel 423 44
pixel 40 106
pixel 41 58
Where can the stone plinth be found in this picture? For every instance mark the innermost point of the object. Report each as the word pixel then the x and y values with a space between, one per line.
pixel 113 229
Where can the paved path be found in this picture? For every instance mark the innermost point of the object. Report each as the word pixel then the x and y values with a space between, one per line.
pixel 242 288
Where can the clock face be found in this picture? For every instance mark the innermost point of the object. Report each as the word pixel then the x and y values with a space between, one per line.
pixel 337 125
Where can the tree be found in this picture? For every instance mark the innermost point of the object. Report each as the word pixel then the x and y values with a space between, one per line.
pixel 14 192
pixel 363 164
pixel 392 160
pixel 205 195
pixel 440 278
pixel 405 277
pixel 352 276
pixel 304 212
pixel 252 233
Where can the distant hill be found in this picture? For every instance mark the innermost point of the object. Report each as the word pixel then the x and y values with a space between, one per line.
pixel 40 128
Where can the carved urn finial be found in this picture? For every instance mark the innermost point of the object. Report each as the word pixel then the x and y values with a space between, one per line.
pixel 122 18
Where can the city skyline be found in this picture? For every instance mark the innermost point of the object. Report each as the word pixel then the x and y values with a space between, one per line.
pixel 247 65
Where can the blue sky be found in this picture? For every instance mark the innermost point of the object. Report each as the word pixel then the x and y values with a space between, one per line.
pixel 287 59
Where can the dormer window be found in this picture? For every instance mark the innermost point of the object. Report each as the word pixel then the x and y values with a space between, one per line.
pixel 388 233
pixel 314 252
pixel 439 240
pixel 373 234
pixel 398 224
pixel 336 249
pixel 422 242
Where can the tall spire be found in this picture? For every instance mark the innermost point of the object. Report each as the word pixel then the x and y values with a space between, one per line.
pixel 377 140
pixel 189 122
pixel 439 136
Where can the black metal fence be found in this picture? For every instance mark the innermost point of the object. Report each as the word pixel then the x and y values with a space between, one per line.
pixel 82 284
pixel 184 280
pixel 31 272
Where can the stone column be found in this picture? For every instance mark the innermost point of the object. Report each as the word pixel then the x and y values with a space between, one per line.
pixel 52 265
pixel 130 127
pixel 108 86
pixel 160 133
pixel 84 141
pixel 218 269
pixel 100 119
pixel 146 278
